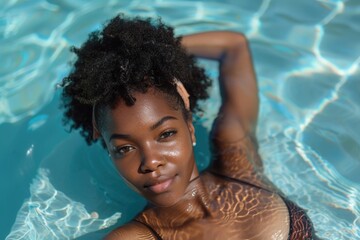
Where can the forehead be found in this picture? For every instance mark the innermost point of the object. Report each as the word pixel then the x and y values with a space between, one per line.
pixel 149 107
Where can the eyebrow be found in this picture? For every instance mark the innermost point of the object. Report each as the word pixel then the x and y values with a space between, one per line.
pixel 153 127
pixel 161 121
pixel 119 136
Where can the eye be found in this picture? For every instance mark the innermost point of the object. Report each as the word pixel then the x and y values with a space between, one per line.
pixel 167 134
pixel 122 150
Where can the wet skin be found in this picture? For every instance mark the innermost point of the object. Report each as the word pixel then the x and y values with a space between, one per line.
pixel 151 146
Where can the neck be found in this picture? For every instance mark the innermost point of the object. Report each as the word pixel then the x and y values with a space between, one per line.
pixel 195 204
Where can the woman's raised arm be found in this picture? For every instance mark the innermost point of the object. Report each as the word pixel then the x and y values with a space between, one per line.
pixel 233 137
pixel 237 78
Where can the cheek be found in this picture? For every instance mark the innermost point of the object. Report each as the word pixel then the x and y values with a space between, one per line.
pixel 129 173
pixel 178 152
pixel 127 170
pixel 182 157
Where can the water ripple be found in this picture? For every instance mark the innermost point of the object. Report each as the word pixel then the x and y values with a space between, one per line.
pixel 308 86
pixel 50 214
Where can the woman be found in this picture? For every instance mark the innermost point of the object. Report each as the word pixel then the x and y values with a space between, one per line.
pixel 134 87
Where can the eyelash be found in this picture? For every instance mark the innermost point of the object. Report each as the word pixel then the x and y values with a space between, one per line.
pixel 119 149
pixel 167 134
pixel 128 148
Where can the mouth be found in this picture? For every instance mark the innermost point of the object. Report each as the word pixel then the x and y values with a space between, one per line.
pixel 160 186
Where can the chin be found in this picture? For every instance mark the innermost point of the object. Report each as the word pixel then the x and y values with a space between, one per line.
pixel 164 200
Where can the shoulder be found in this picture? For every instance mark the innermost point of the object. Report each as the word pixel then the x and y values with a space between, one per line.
pixel 270 215
pixel 130 231
pixel 261 212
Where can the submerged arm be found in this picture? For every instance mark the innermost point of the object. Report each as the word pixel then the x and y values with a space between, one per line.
pixel 233 133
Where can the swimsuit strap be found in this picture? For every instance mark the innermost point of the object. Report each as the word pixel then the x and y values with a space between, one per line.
pixel 157 236
pixel 239 181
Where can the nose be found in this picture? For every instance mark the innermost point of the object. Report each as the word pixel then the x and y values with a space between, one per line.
pixel 151 160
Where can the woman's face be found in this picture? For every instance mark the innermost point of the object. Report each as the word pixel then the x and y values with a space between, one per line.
pixel 151 146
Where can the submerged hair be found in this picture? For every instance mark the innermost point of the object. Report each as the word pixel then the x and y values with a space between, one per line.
pixel 128 56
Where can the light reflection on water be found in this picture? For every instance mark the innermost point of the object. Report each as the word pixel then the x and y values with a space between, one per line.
pixel 307 56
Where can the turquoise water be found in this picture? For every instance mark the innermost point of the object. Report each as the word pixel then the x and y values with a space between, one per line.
pixel 306 54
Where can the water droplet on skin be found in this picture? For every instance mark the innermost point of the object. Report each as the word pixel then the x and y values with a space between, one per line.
pixel 189 207
pixel 193 192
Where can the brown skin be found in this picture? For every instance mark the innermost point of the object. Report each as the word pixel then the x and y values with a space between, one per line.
pixel 151 143
pixel 189 206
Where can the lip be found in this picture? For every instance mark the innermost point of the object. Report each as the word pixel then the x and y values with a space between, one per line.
pixel 160 185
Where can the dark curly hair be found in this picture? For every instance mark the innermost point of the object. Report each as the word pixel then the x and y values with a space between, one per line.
pixel 127 56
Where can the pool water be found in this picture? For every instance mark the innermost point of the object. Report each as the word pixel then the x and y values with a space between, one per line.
pixel 306 55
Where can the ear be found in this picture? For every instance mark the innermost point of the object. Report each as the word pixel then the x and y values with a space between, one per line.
pixel 191 130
